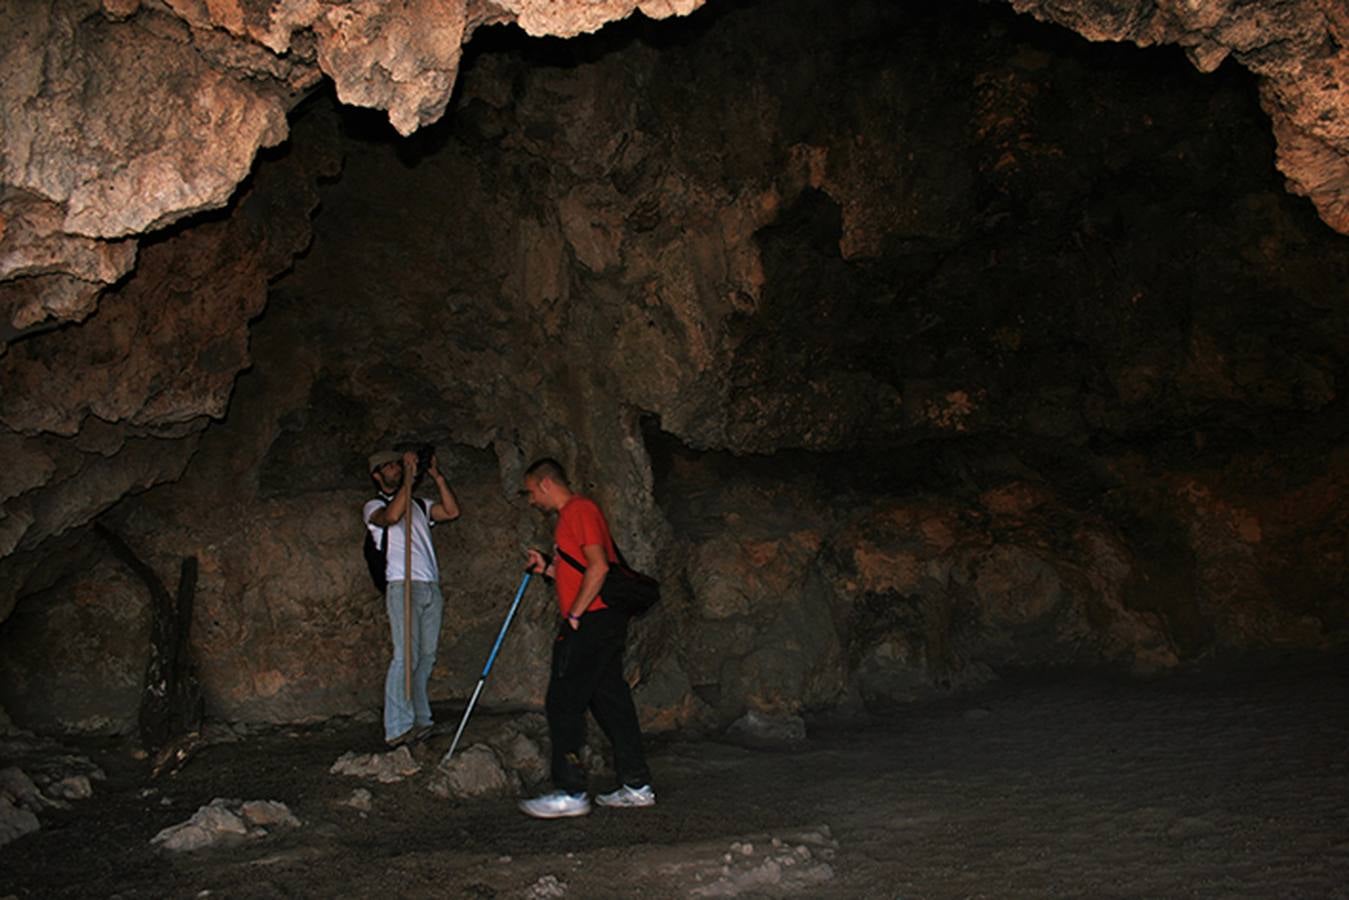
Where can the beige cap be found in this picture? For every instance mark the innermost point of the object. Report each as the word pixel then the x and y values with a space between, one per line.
pixel 380 457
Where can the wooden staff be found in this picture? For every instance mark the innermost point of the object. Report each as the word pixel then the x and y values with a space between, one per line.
pixel 407 595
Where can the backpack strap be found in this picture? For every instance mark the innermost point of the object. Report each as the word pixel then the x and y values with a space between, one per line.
pixel 426 508
pixel 384 533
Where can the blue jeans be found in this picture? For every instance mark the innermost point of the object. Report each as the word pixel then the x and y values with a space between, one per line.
pixel 428 605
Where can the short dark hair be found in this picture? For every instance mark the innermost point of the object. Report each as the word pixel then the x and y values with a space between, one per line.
pixel 548 468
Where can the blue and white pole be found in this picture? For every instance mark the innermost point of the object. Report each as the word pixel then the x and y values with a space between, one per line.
pixel 491 658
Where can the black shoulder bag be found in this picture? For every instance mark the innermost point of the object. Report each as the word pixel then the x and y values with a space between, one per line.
pixel 624 589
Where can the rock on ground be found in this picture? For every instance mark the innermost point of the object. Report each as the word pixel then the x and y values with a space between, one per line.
pixel 226 821
pixel 386 768
pixel 46 777
pixel 359 800
pixel 761 729
pixel 15 821
pixel 764 864
pixel 475 772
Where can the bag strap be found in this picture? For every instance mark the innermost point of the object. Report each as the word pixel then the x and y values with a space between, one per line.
pixel 384 533
pixel 569 560
pixel 426 508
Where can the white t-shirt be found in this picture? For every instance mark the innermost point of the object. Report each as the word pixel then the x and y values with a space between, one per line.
pixel 424 566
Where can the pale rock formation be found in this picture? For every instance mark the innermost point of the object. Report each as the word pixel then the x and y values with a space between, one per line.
pixel 224 822
pixel 386 768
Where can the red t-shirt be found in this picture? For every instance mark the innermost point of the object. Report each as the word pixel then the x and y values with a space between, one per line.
pixel 579 524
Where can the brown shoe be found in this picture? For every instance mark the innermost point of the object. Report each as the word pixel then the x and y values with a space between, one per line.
pixel 406 737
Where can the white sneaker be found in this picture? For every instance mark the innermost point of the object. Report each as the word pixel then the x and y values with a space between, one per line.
pixel 556 805
pixel 629 797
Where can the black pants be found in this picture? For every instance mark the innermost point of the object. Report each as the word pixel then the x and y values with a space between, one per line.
pixel 588 674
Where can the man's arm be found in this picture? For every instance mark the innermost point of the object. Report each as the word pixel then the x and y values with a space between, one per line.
pixel 398 506
pixel 597 566
pixel 447 508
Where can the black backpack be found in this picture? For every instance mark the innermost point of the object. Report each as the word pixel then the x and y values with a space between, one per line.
pixel 377 555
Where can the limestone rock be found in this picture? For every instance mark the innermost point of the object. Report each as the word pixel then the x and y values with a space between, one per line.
pixel 403 59
pixel 196 133
pixel 92 685
pixel 540 17
pixel 524 755
pixel 72 787
pixel 34 244
pixel 15 821
pixel 360 800
pixel 1298 48
pixel 475 771
pixel 115 405
pixel 547 886
pixel 46 774
pixel 47 276
pixel 20 802
pixel 19 789
pixel 772 865
pixel 236 70
pixel 267 814
pixel 769 642
pixel 937 594
pixel 509 757
pixel 209 825
pixel 31 303
pixel 666 701
pixel 761 730
pixel 190 143
pixel 181 326
pixel 223 822
pixel 386 768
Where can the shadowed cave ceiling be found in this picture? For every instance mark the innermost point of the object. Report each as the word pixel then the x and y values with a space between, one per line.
pixel 940 335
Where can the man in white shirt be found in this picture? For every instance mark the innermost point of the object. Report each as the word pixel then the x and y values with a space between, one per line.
pixel 408 719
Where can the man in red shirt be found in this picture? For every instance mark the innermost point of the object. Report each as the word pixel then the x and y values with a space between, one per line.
pixel 587 670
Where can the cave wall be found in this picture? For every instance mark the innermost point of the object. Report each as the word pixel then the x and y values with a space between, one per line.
pixel 122 118
pixel 118 405
pixel 1081 356
pixel 72 657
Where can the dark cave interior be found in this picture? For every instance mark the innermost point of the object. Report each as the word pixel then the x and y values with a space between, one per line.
pixel 910 343
pixel 972 388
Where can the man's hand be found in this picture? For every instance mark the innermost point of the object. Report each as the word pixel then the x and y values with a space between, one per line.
pixel 534 561
pixel 433 470
pixel 409 467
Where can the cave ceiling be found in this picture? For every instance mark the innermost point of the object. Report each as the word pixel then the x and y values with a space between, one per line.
pixel 122 117
pixel 125 123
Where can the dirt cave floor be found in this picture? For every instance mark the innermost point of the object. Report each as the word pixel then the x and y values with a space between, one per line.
pixel 1198 785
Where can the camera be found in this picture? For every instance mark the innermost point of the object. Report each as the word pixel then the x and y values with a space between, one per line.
pixel 425 453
